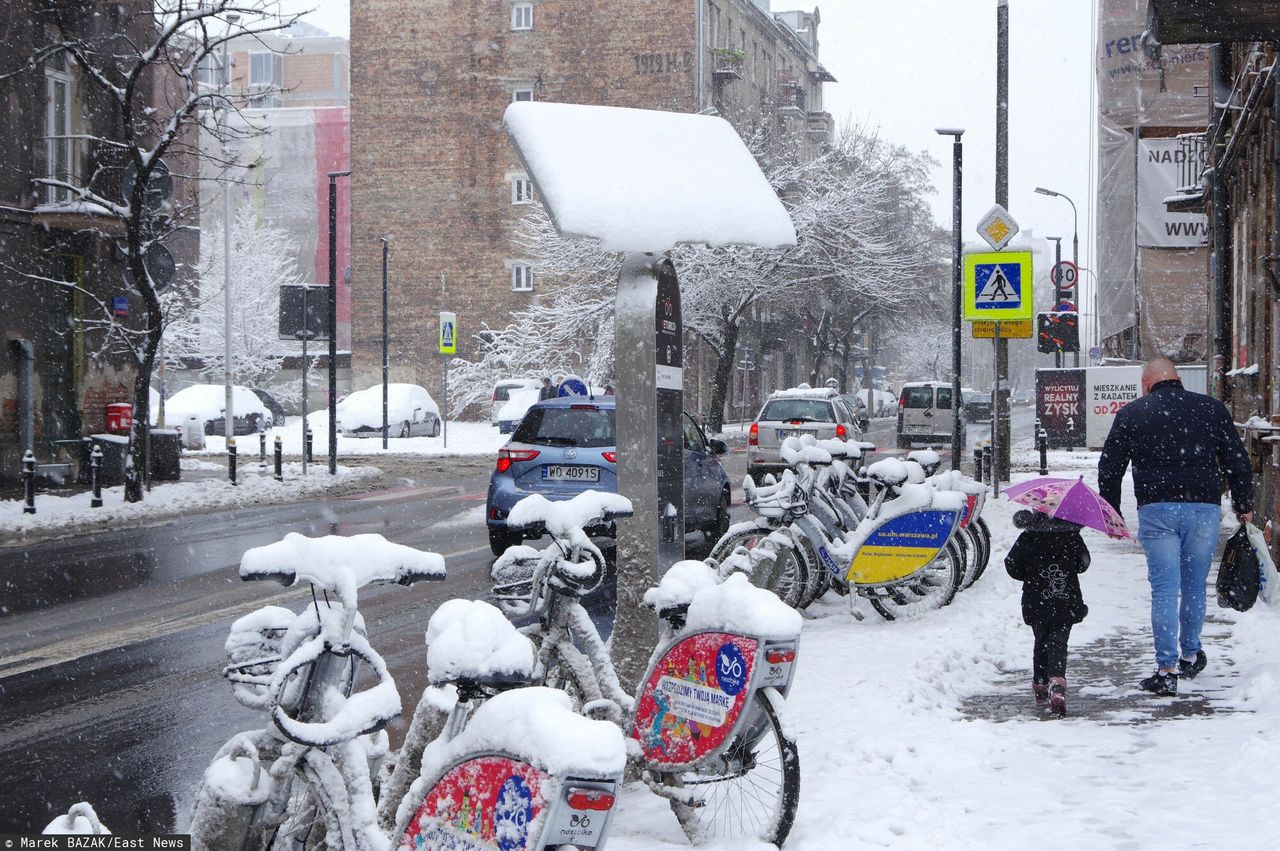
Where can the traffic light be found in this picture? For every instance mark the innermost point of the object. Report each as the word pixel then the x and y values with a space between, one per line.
pixel 1057 332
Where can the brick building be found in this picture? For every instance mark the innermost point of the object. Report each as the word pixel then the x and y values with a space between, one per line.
pixel 56 373
pixel 432 166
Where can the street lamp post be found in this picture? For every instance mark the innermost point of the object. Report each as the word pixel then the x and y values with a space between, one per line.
pixel 957 151
pixel 228 413
pixel 1075 240
pixel 333 319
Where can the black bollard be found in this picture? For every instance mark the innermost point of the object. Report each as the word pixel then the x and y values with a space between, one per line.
pixel 95 465
pixel 977 462
pixel 262 446
pixel 29 483
pixel 231 460
pixel 988 461
pixel 306 445
pixel 1042 442
pixel 279 459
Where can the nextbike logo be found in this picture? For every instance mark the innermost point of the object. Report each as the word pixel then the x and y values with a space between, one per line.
pixel 731 669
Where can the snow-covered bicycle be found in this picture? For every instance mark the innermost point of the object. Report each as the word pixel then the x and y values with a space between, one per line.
pixel 305 781
pixel 886 536
pixel 707 718
pixel 494 772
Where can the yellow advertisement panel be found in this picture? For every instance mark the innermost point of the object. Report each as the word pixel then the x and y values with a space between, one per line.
pixel 901 546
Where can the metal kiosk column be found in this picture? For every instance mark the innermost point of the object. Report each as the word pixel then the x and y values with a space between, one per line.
pixel 671 178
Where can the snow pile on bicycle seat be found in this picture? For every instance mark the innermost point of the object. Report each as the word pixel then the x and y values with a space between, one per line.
pixel 516 564
pixel 949 501
pixel 915 473
pixel 736 605
pixel 796 452
pixel 339 562
pixel 561 518
pixel 680 583
pixel 924 457
pixel 80 819
pixel 643 180
pixel 954 480
pixel 890 470
pixel 472 639
pixel 536 724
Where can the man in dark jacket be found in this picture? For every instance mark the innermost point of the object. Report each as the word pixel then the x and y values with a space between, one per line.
pixel 1179 444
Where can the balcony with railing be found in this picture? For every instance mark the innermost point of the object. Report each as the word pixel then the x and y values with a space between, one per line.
pixel 64 166
pixel 791 97
pixel 727 65
pixel 820 127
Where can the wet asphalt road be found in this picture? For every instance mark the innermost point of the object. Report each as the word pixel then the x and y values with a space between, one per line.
pixel 110 670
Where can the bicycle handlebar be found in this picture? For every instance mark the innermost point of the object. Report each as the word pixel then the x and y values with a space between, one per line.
pixel 340 563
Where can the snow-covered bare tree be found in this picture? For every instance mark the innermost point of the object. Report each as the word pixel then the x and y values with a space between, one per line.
pixel 261 262
pixel 149 72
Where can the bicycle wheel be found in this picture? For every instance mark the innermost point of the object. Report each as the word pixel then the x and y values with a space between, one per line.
pixel 969 557
pixel 931 587
pixel 786 575
pixel 306 821
pixel 751 789
pixel 983 534
pixel 569 670
pixel 819 577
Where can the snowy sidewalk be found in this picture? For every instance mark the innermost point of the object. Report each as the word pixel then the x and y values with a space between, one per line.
pixel 922 734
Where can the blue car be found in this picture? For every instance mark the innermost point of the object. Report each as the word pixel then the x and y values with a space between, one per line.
pixel 567 445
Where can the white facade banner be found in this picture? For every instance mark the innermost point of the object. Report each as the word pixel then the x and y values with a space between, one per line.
pixel 1107 390
pixel 1160 166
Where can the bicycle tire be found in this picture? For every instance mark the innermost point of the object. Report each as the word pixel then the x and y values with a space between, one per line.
pixel 788 573
pixel 819 577
pixel 714 816
pixel 984 533
pixel 568 669
pixel 932 587
pixel 307 823
pixel 969 553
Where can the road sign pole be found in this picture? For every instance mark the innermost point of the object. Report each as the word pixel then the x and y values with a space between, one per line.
pixel 997 440
pixel 1057 293
pixel 386 297
pixel 1000 420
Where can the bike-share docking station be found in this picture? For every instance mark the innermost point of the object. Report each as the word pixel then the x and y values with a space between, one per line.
pixel 640 182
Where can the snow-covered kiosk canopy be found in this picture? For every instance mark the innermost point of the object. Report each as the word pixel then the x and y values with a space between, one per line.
pixel 640 180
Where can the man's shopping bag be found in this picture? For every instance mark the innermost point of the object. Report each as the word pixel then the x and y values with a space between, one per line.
pixel 1239 573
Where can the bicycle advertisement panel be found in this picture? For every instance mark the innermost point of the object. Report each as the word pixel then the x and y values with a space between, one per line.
pixel 482 804
pixel 901 546
pixel 694 696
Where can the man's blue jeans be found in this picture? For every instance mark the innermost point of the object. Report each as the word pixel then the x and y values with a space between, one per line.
pixel 1179 539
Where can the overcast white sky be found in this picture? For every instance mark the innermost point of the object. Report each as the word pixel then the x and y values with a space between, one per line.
pixel 910 66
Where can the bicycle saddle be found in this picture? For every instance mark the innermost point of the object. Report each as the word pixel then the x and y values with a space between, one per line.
pixel 915 473
pixel 890 472
pixel 677 586
pixel 796 451
pixel 472 640
pixel 927 459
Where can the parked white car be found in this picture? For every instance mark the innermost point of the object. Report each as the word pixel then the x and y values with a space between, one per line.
pixel 505 389
pixel 411 412
pixel 206 402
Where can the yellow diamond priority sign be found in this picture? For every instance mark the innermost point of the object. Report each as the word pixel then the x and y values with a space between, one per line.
pixel 997 227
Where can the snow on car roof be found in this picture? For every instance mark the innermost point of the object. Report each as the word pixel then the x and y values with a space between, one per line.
pixel 804 393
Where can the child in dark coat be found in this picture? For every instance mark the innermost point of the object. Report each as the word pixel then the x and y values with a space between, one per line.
pixel 1047 558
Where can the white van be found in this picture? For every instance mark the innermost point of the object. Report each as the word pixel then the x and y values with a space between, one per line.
pixel 924 414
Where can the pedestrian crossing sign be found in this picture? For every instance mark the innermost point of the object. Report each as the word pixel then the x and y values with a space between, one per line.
pixel 998 286
pixel 448 333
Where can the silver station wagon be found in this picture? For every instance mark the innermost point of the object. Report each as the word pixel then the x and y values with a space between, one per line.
pixel 792 413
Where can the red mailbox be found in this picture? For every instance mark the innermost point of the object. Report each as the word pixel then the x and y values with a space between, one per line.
pixel 119 418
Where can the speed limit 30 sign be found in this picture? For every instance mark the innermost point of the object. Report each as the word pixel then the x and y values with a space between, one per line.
pixel 1064 275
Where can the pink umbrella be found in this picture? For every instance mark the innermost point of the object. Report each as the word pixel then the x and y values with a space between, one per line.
pixel 1069 499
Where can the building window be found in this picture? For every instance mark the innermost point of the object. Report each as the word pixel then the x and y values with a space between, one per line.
pixel 521 278
pixel 522 16
pixel 266 70
pixel 209 71
pixel 57 128
pixel 521 94
pixel 521 190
